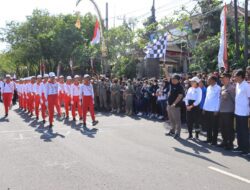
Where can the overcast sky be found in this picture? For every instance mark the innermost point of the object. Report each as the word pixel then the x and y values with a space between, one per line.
pixel 18 9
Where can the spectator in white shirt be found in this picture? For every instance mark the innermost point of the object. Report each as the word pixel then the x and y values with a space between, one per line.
pixel 211 109
pixel 192 101
pixel 242 111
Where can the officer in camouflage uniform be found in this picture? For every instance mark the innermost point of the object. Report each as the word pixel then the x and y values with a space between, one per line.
pixel 115 96
pixel 129 93
pixel 102 88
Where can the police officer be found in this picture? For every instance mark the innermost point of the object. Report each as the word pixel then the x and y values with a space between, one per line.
pixel 129 92
pixel 115 96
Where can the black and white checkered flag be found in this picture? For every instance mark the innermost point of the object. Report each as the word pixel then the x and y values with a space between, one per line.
pixel 157 49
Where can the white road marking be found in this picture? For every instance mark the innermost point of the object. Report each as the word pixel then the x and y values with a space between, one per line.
pixel 229 174
pixel 21 136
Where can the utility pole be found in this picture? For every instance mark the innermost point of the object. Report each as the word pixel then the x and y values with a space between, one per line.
pixel 246 35
pixel 107 16
pixel 237 52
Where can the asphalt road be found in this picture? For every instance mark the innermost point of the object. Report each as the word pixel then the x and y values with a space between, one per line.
pixel 123 154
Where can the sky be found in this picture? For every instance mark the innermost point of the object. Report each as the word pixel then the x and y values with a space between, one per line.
pixel 17 10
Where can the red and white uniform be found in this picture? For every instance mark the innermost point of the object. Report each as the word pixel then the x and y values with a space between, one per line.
pixel 87 95
pixel 67 97
pixel 43 89
pixel 7 91
pixel 75 99
pixel 61 93
pixel 37 89
pixel 31 95
pixel 51 95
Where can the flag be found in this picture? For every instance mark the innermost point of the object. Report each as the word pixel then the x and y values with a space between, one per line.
pixel 78 23
pixel 78 1
pixel 223 56
pixel 157 49
pixel 97 34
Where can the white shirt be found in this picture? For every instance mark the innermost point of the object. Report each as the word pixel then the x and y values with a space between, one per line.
pixel 242 107
pixel 161 96
pixel 67 89
pixel 75 90
pixel 7 87
pixel 37 88
pixel 194 94
pixel 51 89
pixel 212 101
pixel 61 87
pixel 87 90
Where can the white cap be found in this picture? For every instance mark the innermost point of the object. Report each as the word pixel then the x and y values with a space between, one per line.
pixel 76 76
pixel 86 76
pixel 52 74
pixel 195 79
pixel 69 77
pixel 8 76
pixel 45 76
pixel 61 76
pixel 39 76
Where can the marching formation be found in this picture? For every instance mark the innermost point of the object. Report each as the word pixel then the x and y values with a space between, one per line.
pixel 41 95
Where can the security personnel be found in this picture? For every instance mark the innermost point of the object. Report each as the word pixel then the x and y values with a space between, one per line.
pixel 103 94
pixel 129 92
pixel 115 96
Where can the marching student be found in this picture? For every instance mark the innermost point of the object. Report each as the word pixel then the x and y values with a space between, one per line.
pixel 37 90
pixel 7 91
pixel 67 95
pixel 75 98
pixel 42 96
pixel 31 94
pixel 87 96
pixel 61 90
pixel 192 101
pixel 51 97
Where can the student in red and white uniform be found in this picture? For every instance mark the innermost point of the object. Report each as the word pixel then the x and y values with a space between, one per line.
pixel 67 95
pixel 61 90
pixel 25 96
pixel 7 91
pixel 31 94
pixel 87 96
pixel 75 98
pixel 37 89
pixel 42 96
pixel 51 96
pixel 18 88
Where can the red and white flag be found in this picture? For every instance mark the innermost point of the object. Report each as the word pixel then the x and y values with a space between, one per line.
pixel 97 34
pixel 223 56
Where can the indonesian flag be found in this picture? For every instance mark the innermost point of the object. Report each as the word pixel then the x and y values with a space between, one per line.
pixel 223 56
pixel 97 34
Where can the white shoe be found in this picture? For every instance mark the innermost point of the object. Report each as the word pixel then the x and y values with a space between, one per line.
pixel 139 114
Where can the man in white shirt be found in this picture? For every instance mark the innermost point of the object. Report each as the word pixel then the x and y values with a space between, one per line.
pixel 211 109
pixel 242 112
pixel 61 90
pixel 7 91
pixel 31 93
pixel 75 98
pixel 87 96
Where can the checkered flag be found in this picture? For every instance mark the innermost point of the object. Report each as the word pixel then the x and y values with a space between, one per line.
pixel 157 49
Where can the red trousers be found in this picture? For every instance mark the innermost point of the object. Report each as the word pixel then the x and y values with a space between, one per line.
pixel 52 103
pixel 67 100
pixel 61 98
pixel 20 100
pixel 76 104
pixel 43 106
pixel 37 104
pixel 7 98
pixel 31 102
pixel 25 101
pixel 88 105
